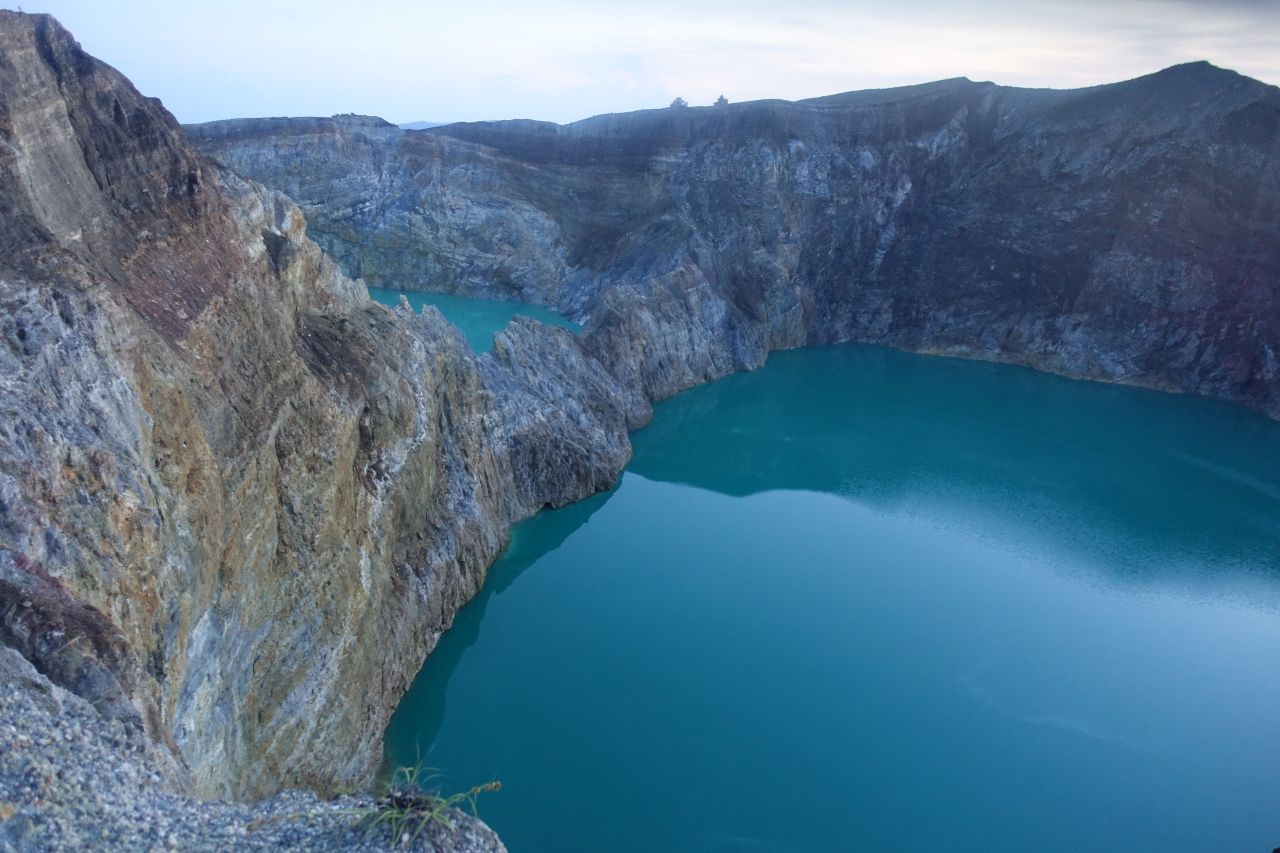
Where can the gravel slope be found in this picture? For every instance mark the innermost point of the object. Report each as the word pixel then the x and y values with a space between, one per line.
pixel 72 780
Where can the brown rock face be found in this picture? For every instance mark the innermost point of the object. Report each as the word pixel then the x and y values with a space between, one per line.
pixel 239 502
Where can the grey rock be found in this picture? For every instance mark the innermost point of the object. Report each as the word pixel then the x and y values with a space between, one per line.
pixel 94 787
pixel 238 501
pixel 1126 233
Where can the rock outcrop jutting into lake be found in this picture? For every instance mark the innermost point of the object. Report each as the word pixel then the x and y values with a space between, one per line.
pixel 239 501
pixel 1127 233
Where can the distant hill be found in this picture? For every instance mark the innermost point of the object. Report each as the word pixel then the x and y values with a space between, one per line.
pixel 1124 232
pixel 422 125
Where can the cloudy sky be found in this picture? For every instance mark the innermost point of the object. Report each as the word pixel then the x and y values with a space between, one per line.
pixel 567 59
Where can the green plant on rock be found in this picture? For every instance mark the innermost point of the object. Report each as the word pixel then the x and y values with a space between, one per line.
pixel 409 807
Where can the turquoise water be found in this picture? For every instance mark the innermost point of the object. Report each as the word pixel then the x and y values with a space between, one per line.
pixel 478 319
pixel 864 600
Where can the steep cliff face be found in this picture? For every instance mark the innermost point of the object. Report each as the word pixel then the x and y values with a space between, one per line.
pixel 1127 233
pixel 238 501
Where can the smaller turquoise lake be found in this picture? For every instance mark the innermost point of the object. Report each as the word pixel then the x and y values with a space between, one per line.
pixel 478 319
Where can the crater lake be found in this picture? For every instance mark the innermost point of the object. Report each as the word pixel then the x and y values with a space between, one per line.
pixel 866 600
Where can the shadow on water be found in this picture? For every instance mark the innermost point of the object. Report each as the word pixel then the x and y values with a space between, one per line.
pixel 427 697
pixel 1139 481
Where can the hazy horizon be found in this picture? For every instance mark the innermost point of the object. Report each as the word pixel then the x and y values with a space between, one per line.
pixel 567 59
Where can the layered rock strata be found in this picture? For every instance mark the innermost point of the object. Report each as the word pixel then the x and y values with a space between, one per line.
pixel 1127 233
pixel 238 501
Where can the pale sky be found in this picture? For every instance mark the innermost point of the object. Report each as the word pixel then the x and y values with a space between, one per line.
pixel 562 60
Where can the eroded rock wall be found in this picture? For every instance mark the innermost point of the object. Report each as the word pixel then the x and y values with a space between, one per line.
pixel 238 501
pixel 1127 233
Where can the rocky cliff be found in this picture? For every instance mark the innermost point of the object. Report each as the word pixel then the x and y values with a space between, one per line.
pixel 1127 233
pixel 238 501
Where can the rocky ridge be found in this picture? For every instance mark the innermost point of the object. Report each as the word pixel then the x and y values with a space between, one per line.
pixel 1127 233
pixel 238 501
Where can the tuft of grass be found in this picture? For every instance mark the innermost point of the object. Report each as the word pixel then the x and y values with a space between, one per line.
pixel 405 811
pixel 411 806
